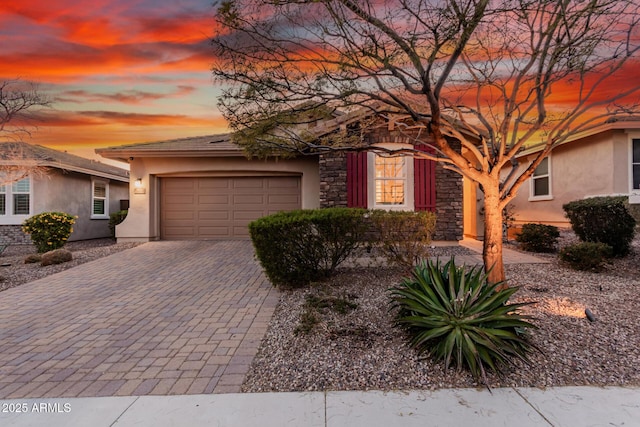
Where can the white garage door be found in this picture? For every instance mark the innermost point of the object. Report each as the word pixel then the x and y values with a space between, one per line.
pixel 221 208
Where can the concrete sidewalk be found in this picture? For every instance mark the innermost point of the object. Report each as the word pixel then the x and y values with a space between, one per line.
pixel 564 406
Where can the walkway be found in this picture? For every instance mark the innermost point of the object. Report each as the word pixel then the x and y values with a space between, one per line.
pixel 522 407
pixel 162 318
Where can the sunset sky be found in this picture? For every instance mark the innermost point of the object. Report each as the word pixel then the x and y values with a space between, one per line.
pixel 126 71
pixel 118 71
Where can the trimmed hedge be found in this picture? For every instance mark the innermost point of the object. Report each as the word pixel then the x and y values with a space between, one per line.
pixel 603 219
pixel 538 238
pixel 298 247
pixel 403 236
pixel 586 256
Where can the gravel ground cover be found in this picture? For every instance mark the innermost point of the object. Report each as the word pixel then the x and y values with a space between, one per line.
pixel 338 335
pixel 15 272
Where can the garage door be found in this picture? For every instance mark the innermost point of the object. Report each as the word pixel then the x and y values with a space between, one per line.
pixel 221 208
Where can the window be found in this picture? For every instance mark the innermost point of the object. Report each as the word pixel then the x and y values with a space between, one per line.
pixel 390 176
pixel 541 181
pixel 635 165
pixel 100 200
pixel 15 201
pixel 390 182
pixel 3 200
pixel 20 191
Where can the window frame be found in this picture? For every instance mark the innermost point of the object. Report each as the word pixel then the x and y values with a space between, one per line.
pixel 532 182
pixel 632 139
pixel 105 214
pixel 408 179
pixel 9 217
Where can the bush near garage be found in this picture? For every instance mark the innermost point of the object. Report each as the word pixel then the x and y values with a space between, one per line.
pixel 603 219
pixel 114 219
pixel 538 238
pixel 302 246
pixel 49 230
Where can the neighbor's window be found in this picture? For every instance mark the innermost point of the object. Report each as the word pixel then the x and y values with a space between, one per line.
pixel 21 196
pixel 390 180
pixel 100 199
pixel 3 200
pixel 541 180
pixel 635 164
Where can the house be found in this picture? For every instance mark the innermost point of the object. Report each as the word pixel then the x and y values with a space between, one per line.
pixel 602 162
pixel 206 188
pixel 82 187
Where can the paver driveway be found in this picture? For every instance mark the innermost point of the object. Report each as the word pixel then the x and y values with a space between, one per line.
pixel 161 318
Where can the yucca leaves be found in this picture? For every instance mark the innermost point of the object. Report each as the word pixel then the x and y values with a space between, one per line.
pixel 457 316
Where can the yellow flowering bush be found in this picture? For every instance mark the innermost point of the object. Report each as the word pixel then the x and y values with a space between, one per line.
pixel 49 230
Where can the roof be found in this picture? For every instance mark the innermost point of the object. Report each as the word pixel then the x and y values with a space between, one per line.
pixel 205 146
pixel 612 124
pixel 13 153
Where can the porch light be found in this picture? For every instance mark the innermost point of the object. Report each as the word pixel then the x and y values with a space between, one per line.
pixel 138 187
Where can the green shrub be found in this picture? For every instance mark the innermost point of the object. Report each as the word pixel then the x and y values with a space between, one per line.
pixel 403 236
pixel 603 219
pixel 586 256
pixel 114 219
pixel 49 230
pixel 461 318
pixel 538 238
pixel 298 247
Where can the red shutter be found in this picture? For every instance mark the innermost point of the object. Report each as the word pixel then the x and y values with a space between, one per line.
pixel 424 185
pixel 357 180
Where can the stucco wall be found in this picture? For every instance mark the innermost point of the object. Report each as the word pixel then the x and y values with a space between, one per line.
pixel 143 220
pixel 70 192
pixel 595 166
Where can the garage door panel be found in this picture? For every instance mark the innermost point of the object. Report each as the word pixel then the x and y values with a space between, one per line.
pixel 253 183
pixel 248 215
pixel 218 183
pixel 222 207
pixel 180 215
pixel 214 215
pixel 278 183
pixel 285 199
pixel 213 199
pixel 249 199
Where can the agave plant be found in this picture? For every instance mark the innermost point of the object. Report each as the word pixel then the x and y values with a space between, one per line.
pixel 457 316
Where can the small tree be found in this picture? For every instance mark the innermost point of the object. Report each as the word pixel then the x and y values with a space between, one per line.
pixel 485 73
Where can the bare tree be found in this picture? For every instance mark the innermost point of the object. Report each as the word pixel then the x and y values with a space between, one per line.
pixel 20 102
pixel 486 73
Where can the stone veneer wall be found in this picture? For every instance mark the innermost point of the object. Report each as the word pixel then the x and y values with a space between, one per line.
pixel 449 216
pixel 333 180
pixel 449 222
pixel 13 234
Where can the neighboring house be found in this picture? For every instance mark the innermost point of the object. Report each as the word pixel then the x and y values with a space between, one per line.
pixel 602 162
pixel 206 188
pixel 86 188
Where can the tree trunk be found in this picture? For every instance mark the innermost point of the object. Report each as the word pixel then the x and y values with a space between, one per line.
pixel 492 247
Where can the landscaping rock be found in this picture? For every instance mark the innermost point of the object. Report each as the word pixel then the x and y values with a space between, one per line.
pixel 33 258
pixel 57 256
